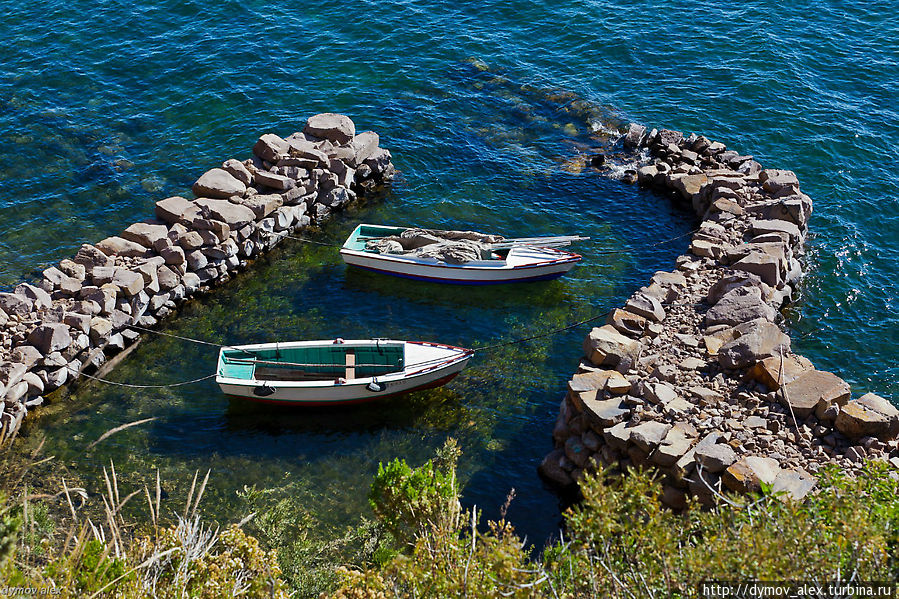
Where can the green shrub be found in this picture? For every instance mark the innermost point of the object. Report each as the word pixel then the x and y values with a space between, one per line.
pixel 622 542
pixel 411 502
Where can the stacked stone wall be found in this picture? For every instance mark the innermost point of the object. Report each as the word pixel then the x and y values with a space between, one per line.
pixel 693 375
pixel 85 309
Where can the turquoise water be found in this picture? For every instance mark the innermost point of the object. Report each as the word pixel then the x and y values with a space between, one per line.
pixel 107 107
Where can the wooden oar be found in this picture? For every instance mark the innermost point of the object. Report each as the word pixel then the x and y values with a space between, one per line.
pixel 546 242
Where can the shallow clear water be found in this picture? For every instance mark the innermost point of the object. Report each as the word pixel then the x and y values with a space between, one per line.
pixel 107 107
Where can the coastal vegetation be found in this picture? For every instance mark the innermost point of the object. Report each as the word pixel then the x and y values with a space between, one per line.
pixel 619 541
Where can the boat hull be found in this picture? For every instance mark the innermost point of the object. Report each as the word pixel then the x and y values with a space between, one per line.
pixel 463 274
pixel 428 365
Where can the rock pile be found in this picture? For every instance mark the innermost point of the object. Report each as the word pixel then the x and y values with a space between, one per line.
pixel 693 376
pixel 85 308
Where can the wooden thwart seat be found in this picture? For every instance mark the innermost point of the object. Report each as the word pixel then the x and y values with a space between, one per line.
pixel 350 365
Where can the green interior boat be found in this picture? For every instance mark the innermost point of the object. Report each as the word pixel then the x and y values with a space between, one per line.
pixel 311 363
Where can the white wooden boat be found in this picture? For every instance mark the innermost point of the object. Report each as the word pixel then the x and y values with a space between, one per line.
pixel 333 372
pixel 500 260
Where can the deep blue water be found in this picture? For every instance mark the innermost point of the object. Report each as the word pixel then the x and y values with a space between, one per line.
pixel 110 106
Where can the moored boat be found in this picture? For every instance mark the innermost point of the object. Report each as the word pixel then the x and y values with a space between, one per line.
pixel 333 372
pixel 457 257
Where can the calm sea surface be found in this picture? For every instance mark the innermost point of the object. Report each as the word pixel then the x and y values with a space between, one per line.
pixel 106 107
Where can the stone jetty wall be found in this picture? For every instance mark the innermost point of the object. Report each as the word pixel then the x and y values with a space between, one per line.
pixel 693 376
pixel 84 309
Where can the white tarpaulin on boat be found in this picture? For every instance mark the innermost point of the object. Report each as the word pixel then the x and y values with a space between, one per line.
pixel 452 247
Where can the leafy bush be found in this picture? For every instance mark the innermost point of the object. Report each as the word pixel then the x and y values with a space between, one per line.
pixel 622 542
pixel 411 502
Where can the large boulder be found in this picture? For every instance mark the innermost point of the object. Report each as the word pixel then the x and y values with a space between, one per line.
pixel 271 147
pixel 304 149
pixel 814 390
pixel 777 181
pixel 172 209
pixel 603 413
pixel 675 445
pixel 263 205
pixel 788 229
pixel 774 371
pixel 606 346
pixel 39 297
pixel 365 145
pixel 274 180
pixel 15 303
pixel 755 340
pixel 646 306
pixel 748 474
pixel 627 322
pixel 648 435
pixel 234 215
pixel 689 185
pixel 715 457
pixel 50 337
pixel 237 170
pixel 218 183
pixel 610 380
pixel 551 469
pixel 146 234
pixel 89 256
pixel 130 282
pixel 117 246
pixel 869 415
pixel 738 306
pixel 759 261
pixel 337 128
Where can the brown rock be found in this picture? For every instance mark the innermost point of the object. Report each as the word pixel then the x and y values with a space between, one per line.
pixel 145 234
pixel 603 413
pixel 271 147
pixel 172 209
pixel 813 388
pixel 117 246
pixel 748 475
pixel 738 306
pixel 606 346
pixel 237 170
pixel 218 183
pixel 365 145
pixel 756 341
pixel 715 457
pixel 130 282
pixel 869 415
pixel 772 373
pixel 551 470
pixel 274 181
pixel 234 215
pixel 648 435
pixel 646 306
pixel 337 128
pixel 794 484
pixel 49 338
pixel 627 323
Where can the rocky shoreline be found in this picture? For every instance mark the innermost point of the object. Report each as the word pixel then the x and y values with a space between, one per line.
pixel 85 309
pixel 693 376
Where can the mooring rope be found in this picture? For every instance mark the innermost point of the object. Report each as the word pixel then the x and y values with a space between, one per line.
pixel 540 335
pixel 474 350
pixel 133 386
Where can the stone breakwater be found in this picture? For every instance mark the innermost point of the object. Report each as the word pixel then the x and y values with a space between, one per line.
pixel 84 310
pixel 693 376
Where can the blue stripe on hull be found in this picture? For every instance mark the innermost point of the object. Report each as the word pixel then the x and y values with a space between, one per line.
pixel 548 277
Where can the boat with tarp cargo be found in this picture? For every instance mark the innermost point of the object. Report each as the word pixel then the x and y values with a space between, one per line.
pixel 457 257
pixel 333 372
